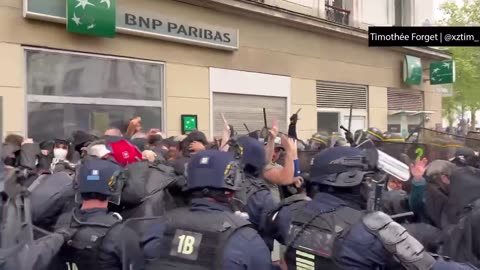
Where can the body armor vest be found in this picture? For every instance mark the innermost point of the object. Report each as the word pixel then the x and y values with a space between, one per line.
pixel 311 239
pixel 83 251
pixel 250 186
pixel 197 240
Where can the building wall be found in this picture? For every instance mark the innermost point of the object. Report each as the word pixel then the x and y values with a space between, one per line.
pixel 378 107
pixel 303 94
pixel 187 92
pixel 11 88
pixel 265 47
pixel 424 10
pixel 433 103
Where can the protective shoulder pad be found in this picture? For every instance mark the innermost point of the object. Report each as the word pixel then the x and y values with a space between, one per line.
pixel 398 242
pixel 237 220
pixel 376 220
pixel 291 200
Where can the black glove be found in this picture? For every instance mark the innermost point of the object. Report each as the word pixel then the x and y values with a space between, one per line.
pixel 67 233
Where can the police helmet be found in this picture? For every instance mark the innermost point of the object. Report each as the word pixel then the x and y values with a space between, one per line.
pixel 359 136
pixel 98 176
pixel 464 156
pixel 212 169
pixel 394 137
pixel 319 141
pixel 251 153
pixel 337 140
pixel 339 167
pixel 375 134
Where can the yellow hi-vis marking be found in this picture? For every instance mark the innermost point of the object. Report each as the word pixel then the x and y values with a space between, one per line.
pixel 306 255
pixel 305 263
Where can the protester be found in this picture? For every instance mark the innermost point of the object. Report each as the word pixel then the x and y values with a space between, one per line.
pixel 174 183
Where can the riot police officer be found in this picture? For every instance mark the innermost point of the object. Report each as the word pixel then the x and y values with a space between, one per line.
pixel 332 232
pixel 207 234
pixel 100 242
pixel 36 255
pixel 319 141
pixel 255 193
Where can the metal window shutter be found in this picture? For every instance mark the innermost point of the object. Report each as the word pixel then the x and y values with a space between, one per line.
pixel 239 109
pixel 405 100
pixel 340 95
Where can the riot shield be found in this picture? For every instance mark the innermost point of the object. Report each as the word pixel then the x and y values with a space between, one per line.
pixel 440 145
pixel 406 152
pixel 305 158
pixel 17 217
pixel 473 140
pixel 382 161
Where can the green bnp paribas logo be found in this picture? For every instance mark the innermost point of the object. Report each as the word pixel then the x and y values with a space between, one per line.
pixel 92 17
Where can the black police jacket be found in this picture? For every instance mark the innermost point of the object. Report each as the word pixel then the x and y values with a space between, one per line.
pixel 100 242
pixel 197 239
pixel 33 256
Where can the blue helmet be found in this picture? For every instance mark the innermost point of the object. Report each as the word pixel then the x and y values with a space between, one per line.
pixel 340 167
pixel 98 176
pixel 212 169
pixel 252 153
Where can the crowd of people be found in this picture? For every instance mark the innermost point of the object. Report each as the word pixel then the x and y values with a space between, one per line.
pixel 131 200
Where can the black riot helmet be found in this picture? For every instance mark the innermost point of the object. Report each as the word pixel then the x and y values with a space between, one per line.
pixel 340 167
pixel 337 140
pixel 465 156
pixel 251 154
pixel 375 134
pixel 394 137
pixel 319 141
pixel 359 136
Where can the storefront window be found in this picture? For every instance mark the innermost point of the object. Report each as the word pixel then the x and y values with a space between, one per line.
pixel 67 92
pixel 328 122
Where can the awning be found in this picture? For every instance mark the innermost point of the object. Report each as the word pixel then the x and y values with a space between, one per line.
pixel 409 113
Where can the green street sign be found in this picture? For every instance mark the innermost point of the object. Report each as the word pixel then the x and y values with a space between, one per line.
pixel 412 70
pixel 442 72
pixel 92 17
pixel 189 123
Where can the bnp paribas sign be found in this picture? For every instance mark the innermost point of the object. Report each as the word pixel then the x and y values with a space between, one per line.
pixel 104 18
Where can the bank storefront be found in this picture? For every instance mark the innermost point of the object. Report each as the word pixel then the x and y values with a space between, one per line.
pixel 93 64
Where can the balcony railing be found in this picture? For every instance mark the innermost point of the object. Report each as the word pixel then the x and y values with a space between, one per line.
pixel 337 15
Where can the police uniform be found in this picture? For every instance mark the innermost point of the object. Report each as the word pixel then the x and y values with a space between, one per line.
pixel 100 242
pixel 254 192
pixel 332 232
pixel 206 235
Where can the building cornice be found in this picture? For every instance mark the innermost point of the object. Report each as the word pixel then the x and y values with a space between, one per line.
pixel 261 11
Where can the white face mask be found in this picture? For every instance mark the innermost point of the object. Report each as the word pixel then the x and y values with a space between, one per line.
pixel 60 153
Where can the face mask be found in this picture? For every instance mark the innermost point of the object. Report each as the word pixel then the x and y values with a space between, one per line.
pixel 60 153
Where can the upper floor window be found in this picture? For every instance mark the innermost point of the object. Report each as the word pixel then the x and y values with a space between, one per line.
pixel 375 12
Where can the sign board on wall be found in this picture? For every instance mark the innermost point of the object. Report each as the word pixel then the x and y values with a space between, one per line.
pixel 136 23
pixel 189 122
pixel 412 70
pixel 94 17
pixel 394 128
pixel 442 72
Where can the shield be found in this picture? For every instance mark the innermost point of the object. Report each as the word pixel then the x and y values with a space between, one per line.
pixel 473 140
pixel 405 152
pixel 440 145
pixel 305 158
